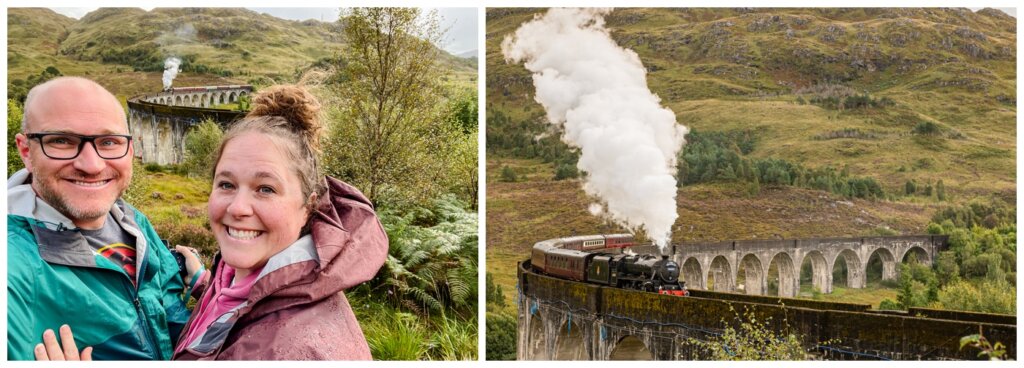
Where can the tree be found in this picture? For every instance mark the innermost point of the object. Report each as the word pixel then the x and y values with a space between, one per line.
pixel 200 144
pixel 463 111
pixel 494 294
pixel 918 285
pixel 462 162
pixel 390 138
pixel 14 115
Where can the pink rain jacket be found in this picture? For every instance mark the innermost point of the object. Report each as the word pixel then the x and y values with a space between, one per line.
pixel 296 309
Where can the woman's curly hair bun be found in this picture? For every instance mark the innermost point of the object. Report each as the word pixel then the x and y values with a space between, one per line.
pixel 294 104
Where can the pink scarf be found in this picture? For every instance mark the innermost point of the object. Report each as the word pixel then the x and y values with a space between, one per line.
pixel 219 301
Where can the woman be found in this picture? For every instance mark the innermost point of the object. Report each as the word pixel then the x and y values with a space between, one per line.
pixel 290 241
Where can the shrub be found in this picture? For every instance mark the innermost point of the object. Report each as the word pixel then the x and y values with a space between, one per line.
pixel 565 171
pixel 926 128
pixel 187 233
pixel 153 167
pixel 200 144
pixel 753 339
pixel 888 304
pixel 501 336
pixel 990 296
pixel 508 175
pixel 910 188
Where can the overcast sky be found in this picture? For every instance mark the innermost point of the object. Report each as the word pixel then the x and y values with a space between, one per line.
pixel 461 22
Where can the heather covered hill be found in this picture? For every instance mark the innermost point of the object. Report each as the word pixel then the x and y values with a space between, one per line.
pixel 897 95
pixel 126 47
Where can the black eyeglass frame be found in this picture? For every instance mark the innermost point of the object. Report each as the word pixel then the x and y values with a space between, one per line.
pixel 85 139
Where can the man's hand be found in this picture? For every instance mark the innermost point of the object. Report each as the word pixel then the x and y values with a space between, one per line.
pixel 192 263
pixel 50 349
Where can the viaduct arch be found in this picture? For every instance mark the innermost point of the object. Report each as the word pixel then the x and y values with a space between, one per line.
pixel 717 266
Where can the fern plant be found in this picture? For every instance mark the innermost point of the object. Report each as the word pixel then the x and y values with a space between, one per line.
pixel 431 264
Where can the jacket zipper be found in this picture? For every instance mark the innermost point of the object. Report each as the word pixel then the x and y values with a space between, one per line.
pixel 141 316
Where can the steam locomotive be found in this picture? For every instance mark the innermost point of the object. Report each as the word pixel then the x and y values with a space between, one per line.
pixel 580 258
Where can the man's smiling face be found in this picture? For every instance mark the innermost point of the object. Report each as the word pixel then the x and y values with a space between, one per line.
pixel 84 188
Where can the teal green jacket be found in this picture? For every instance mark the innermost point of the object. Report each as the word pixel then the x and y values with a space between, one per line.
pixel 55 278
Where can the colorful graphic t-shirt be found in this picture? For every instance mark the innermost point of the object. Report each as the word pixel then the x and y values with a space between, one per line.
pixel 114 244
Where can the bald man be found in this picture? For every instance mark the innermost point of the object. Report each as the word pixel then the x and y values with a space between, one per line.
pixel 77 253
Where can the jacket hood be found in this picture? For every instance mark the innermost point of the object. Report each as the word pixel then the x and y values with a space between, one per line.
pixel 350 246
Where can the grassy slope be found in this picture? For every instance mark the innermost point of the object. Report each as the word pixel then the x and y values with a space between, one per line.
pixel 33 42
pixel 216 37
pixel 744 80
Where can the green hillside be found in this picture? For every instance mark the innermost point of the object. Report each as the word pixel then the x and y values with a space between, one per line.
pixel 125 48
pixel 726 70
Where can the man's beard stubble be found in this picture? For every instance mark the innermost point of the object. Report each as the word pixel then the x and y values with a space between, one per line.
pixel 58 202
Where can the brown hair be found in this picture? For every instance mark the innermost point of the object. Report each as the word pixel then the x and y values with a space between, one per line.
pixel 289 115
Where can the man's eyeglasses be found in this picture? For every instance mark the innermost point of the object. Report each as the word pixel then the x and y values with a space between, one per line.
pixel 67 146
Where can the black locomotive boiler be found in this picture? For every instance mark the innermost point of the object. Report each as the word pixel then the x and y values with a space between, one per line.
pixel 631 271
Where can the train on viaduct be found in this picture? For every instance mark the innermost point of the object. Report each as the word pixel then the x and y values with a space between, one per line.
pixel 564 319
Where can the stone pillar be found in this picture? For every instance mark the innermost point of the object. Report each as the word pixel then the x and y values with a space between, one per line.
pixel 889 271
pixel 857 277
pixel 789 281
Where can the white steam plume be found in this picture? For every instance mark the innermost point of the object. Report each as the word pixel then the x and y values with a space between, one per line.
pixel 170 70
pixel 597 92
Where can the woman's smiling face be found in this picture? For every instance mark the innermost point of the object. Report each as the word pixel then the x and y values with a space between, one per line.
pixel 256 207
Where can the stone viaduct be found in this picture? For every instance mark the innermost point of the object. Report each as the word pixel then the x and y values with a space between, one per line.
pixel 567 320
pixel 718 266
pixel 159 121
